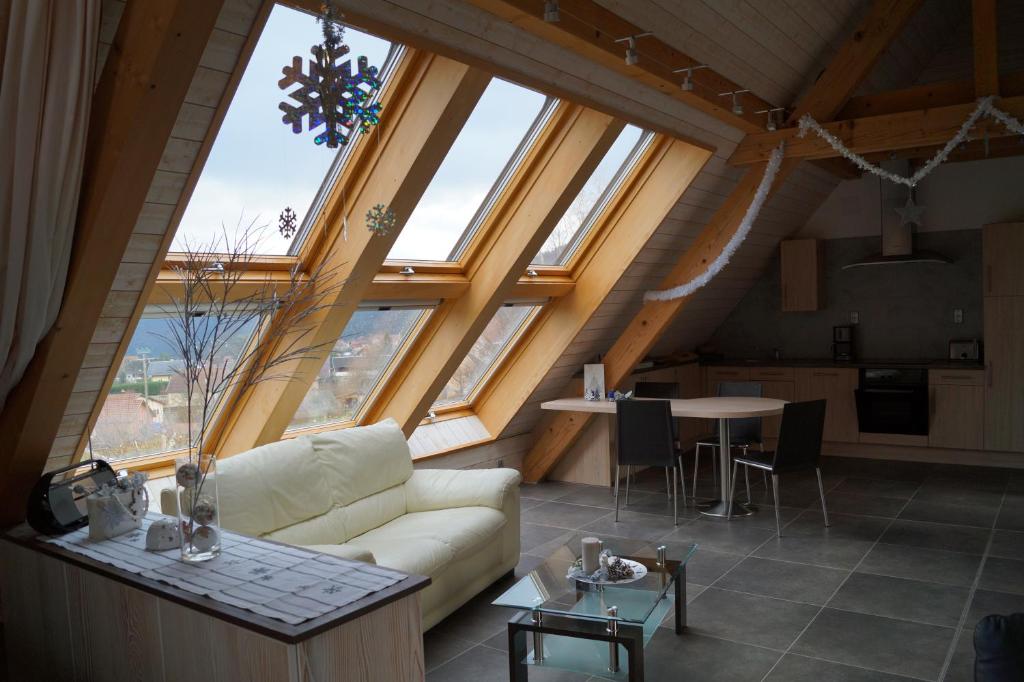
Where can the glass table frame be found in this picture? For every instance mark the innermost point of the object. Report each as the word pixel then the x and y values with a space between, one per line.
pixel 581 610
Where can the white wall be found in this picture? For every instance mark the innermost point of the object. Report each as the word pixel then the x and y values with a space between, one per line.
pixel 956 196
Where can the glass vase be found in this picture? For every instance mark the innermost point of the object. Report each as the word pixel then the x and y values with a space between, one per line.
pixel 198 507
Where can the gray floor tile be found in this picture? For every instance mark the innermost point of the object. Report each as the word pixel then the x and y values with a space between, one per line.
pixel 595 496
pixel 658 503
pixel 533 536
pixel 960 495
pixel 721 536
pixel 831 552
pixel 439 647
pixel 561 515
pixel 893 646
pixel 866 505
pixel 1011 516
pixel 477 620
pixel 633 525
pixel 547 490
pixel 880 487
pixel 483 664
pixel 941 512
pixel 987 602
pixel 1008 544
pixel 782 579
pixel 901 598
pixel 1002 575
pixel 961 667
pixel 793 668
pixel 933 565
pixel 706 566
pixel 693 657
pixel 937 536
pixel 843 526
pixel 750 619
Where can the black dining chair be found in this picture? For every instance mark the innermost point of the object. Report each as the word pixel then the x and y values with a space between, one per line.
pixel 661 390
pixel 644 438
pixel 744 433
pixel 799 449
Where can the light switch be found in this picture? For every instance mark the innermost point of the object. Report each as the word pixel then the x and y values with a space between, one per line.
pixel 854 317
pixel 958 316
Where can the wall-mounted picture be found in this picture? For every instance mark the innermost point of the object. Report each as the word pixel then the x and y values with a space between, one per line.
pixel 593 382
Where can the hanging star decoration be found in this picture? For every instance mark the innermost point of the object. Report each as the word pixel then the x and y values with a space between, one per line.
pixel 910 213
pixel 380 220
pixel 286 223
pixel 331 94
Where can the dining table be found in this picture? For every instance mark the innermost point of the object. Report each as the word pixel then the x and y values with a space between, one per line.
pixel 722 408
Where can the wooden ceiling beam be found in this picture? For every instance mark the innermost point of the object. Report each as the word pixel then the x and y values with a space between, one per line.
pixel 661 177
pixel 928 96
pixel 890 132
pixel 545 184
pixel 155 53
pixel 428 101
pixel 986 49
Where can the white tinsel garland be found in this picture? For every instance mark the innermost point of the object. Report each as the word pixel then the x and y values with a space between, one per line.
pixel 770 171
pixel 985 107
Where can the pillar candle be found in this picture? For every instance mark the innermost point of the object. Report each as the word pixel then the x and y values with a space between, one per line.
pixel 591 552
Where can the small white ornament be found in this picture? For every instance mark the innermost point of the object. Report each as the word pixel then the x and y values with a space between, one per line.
pixel 204 512
pixel 910 213
pixel 162 535
pixel 205 538
pixel 187 475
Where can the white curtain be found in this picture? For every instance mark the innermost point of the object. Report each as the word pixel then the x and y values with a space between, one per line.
pixel 47 74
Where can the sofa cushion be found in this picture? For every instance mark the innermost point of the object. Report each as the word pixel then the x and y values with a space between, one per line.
pixel 426 542
pixel 431 489
pixel 271 487
pixel 344 552
pixel 359 462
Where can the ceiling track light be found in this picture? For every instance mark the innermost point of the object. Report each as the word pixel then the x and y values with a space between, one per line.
pixel 772 126
pixel 632 56
pixel 737 108
pixel 551 14
pixel 687 84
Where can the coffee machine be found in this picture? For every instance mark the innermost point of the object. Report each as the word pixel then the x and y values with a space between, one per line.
pixel 842 343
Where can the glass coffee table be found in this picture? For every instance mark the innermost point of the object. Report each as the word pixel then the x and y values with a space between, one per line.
pixel 586 628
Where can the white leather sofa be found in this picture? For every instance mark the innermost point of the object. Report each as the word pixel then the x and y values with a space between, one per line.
pixel 353 493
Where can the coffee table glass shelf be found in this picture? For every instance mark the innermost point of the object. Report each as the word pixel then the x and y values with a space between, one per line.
pixel 594 629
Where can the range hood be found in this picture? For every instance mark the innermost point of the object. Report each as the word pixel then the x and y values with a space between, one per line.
pixel 897 235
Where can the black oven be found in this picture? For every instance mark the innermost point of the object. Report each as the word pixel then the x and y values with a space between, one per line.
pixel 893 400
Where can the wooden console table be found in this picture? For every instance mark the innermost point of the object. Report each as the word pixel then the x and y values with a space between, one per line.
pixel 68 617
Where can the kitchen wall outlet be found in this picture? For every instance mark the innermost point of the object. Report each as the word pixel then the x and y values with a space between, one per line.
pixel 958 316
pixel 854 317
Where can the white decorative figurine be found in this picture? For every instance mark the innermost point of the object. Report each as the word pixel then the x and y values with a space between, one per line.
pixel 162 535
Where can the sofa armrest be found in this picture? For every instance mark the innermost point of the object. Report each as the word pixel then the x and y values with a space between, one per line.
pixel 433 489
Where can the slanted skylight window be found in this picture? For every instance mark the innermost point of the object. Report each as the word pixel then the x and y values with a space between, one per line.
pixel 145 411
pixel 258 166
pixel 373 340
pixel 593 197
pixel 490 347
pixel 484 156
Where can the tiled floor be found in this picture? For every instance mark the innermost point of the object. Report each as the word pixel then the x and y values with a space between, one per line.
pixel 916 554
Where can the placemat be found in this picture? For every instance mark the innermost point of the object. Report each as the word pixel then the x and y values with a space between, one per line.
pixel 290 584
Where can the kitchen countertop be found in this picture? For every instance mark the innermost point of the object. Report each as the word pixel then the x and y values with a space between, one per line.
pixel 826 362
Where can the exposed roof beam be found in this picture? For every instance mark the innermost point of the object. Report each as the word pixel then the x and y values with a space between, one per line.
pixel 986 49
pixel 428 100
pixel 874 134
pixel 154 57
pixel 928 96
pixel 547 181
pixel 660 179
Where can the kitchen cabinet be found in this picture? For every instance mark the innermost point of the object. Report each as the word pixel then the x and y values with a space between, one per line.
pixel 802 274
pixel 1003 248
pixel 956 409
pixel 837 386
pixel 716 375
pixel 1004 373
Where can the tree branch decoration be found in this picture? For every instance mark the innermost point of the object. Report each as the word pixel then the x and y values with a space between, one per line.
pixel 380 219
pixel 331 94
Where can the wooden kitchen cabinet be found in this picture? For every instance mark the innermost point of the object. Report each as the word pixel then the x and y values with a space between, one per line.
pixel 783 390
pixel 837 386
pixel 715 375
pixel 1003 248
pixel 956 409
pixel 1004 372
pixel 802 274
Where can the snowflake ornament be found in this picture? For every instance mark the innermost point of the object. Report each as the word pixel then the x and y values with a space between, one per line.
pixel 380 219
pixel 286 222
pixel 331 94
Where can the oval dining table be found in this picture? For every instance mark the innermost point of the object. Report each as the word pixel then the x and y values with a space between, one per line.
pixel 721 408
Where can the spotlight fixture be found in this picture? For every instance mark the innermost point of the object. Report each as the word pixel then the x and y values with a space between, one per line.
pixel 632 56
pixel 551 14
pixel 737 108
pixel 407 270
pixel 771 126
pixel 687 84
